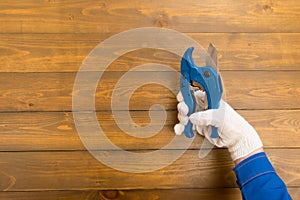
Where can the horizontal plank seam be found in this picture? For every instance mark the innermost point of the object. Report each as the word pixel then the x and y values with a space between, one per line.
pixel 75 72
pixel 97 33
pixel 170 110
pixel 127 189
pixel 91 190
pixel 110 34
pixel 115 71
pixel 262 32
pixel 105 110
pixel 80 190
pixel 134 150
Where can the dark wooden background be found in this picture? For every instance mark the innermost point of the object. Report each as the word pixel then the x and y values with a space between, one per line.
pixel 42 45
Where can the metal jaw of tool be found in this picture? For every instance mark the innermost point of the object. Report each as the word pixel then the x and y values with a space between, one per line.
pixel 206 78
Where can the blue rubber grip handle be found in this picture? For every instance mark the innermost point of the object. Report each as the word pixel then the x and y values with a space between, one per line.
pixel 214 132
pixel 189 101
pixel 188 130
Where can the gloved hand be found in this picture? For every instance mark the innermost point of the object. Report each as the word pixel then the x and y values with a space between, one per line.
pixel 235 132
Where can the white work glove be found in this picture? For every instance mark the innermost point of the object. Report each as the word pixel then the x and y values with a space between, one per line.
pixel 235 132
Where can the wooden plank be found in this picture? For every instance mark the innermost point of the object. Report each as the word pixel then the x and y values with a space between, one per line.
pixel 32 171
pixel 65 52
pixel 53 91
pixel 55 164
pixel 191 194
pixel 226 194
pixel 28 131
pixel 53 195
pixel 78 16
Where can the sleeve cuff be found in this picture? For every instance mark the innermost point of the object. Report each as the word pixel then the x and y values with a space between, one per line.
pixel 252 167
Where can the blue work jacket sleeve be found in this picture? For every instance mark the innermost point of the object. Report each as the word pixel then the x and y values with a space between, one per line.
pixel 258 180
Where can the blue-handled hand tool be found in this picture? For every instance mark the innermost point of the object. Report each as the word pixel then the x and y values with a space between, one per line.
pixel 207 77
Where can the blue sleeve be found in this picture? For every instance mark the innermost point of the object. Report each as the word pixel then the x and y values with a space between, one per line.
pixel 258 180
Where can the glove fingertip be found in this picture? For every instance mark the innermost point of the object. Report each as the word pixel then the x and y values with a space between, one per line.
pixel 183 119
pixel 178 129
pixel 182 108
pixel 179 97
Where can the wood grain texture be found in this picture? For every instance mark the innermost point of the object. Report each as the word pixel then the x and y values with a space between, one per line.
pixel 43 44
pixel 66 52
pixel 53 91
pixel 53 195
pixel 176 194
pixel 28 171
pixel 29 131
pixel 191 194
pixel 78 16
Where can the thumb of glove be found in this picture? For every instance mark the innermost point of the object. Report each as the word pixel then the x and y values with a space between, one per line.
pixel 206 118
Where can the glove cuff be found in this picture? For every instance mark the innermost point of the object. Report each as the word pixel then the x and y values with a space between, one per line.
pixel 245 147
